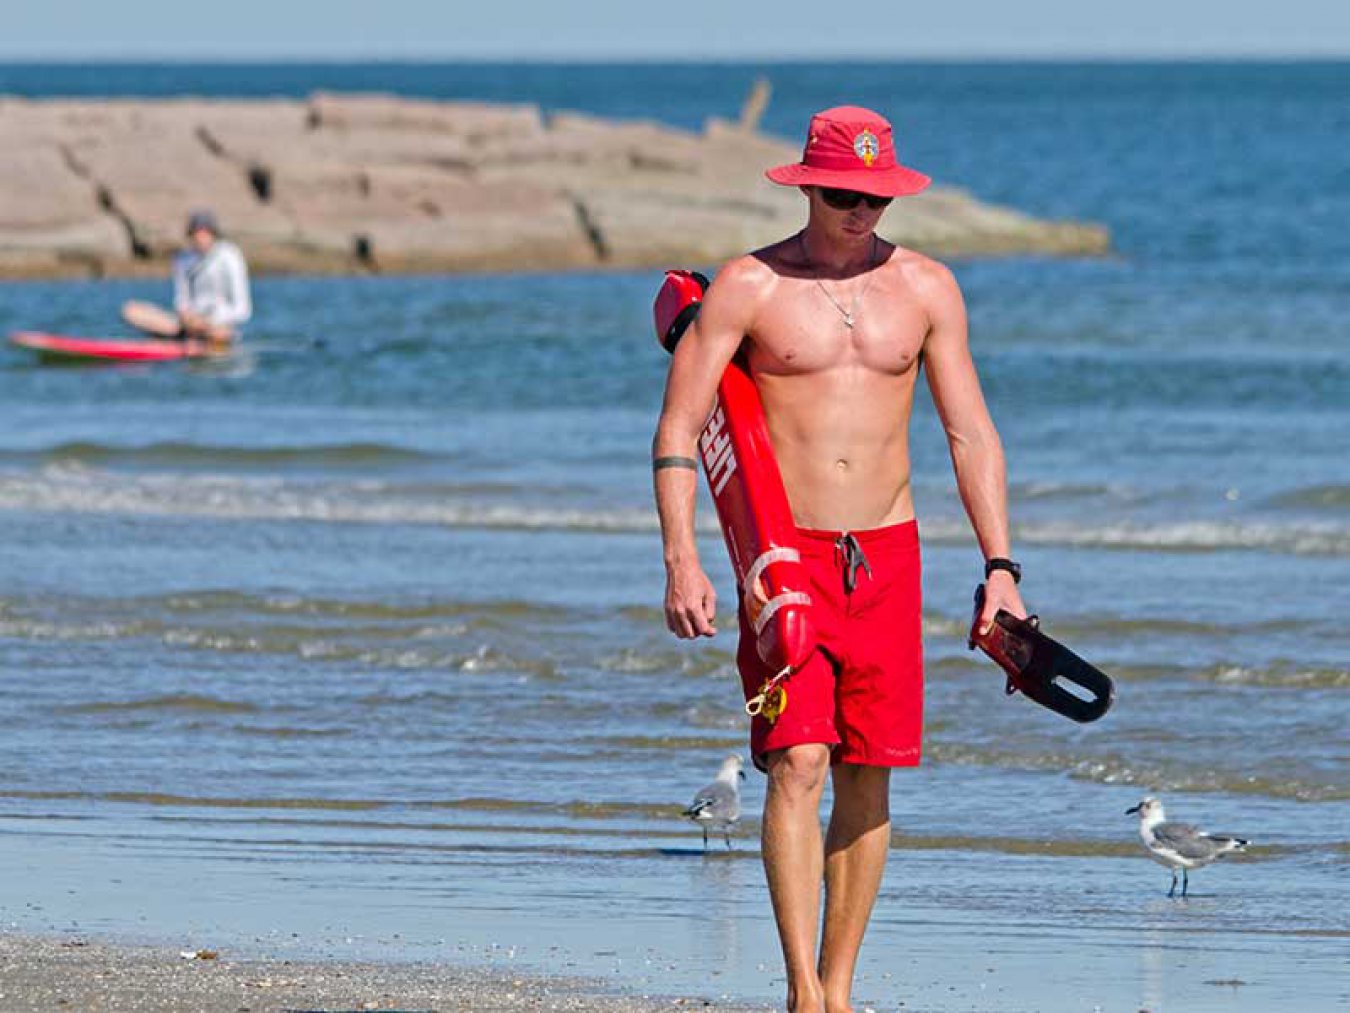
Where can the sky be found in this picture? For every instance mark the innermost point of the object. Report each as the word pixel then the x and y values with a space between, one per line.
pixel 589 30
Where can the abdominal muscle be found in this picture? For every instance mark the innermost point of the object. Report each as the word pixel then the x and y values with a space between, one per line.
pixel 841 437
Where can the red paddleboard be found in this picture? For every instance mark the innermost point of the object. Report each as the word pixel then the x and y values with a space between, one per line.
pixel 61 346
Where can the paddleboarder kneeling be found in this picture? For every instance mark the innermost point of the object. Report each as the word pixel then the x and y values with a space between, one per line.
pixel 833 323
pixel 211 299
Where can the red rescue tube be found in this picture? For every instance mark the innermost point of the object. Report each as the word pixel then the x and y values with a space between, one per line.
pixel 747 489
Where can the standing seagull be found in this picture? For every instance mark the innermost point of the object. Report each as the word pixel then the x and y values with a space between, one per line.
pixel 1179 845
pixel 720 802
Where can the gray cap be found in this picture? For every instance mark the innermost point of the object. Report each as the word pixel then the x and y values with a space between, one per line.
pixel 203 219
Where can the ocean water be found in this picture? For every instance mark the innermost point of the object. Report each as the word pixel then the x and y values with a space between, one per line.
pixel 354 644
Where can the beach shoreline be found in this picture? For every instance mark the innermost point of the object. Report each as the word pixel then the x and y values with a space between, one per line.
pixel 101 919
pixel 41 972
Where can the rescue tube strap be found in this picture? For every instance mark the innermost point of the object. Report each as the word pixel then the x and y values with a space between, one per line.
pixel 777 602
pixel 782 554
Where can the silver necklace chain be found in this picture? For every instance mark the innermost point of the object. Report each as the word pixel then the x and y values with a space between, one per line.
pixel 850 314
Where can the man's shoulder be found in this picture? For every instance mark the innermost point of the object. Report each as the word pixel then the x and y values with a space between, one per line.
pixel 229 249
pixel 930 280
pixel 746 276
pixel 761 269
pixel 921 269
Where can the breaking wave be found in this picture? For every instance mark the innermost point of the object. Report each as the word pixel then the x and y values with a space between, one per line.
pixel 87 491
pixel 172 453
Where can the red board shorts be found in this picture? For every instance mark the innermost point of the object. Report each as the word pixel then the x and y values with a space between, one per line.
pixel 861 691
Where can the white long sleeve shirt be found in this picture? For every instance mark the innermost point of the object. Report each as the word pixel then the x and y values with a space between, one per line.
pixel 213 284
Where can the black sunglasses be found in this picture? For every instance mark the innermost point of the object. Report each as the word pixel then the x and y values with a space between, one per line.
pixel 847 200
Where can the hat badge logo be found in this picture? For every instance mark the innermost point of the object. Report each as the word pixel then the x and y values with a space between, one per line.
pixel 866 147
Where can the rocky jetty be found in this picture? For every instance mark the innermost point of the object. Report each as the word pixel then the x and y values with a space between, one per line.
pixel 350 182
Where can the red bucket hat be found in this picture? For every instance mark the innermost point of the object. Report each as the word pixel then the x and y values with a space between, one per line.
pixel 851 148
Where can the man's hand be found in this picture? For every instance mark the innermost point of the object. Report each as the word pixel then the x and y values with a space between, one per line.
pixel 1000 592
pixel 691 602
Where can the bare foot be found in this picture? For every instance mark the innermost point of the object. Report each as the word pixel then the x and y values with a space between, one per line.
pixel 806 1001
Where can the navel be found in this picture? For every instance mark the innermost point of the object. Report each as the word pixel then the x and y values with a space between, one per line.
pixel 841 464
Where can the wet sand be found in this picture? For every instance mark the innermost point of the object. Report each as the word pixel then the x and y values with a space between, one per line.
pixel 73 973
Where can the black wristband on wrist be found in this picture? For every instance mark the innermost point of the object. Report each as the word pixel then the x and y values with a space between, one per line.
pixel 999 563
pixel 662 463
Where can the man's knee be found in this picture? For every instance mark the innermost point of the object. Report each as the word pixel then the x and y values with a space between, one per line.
pixel 799 770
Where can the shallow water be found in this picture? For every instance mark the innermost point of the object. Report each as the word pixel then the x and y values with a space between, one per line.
pixel 358 636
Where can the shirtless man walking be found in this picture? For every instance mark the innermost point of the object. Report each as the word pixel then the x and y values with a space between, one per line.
pixel 836 322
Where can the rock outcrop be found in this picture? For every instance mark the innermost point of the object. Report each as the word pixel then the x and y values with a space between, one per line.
pixel 377 183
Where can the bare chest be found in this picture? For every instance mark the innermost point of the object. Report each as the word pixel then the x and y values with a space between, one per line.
pixel 812 327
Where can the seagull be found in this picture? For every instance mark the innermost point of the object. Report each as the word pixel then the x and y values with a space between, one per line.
pixel 1179 845
pixel 719 802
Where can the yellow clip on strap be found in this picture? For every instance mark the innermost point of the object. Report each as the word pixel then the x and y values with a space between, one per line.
pixel 771 700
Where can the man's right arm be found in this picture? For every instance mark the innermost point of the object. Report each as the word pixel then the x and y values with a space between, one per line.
pixel 696 367
pixel 182 299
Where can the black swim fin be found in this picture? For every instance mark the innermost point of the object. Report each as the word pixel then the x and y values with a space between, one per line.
pixel 1042 668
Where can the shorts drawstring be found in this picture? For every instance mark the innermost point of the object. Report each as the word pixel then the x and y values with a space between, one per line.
pixel 853 558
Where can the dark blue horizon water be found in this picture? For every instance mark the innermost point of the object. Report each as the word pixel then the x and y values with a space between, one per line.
pixel 358 635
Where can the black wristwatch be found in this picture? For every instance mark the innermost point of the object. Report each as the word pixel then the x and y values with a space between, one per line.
pixel 999 563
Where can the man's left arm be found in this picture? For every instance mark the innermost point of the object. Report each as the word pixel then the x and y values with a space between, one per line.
pixel 238 307
pixel 976 451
